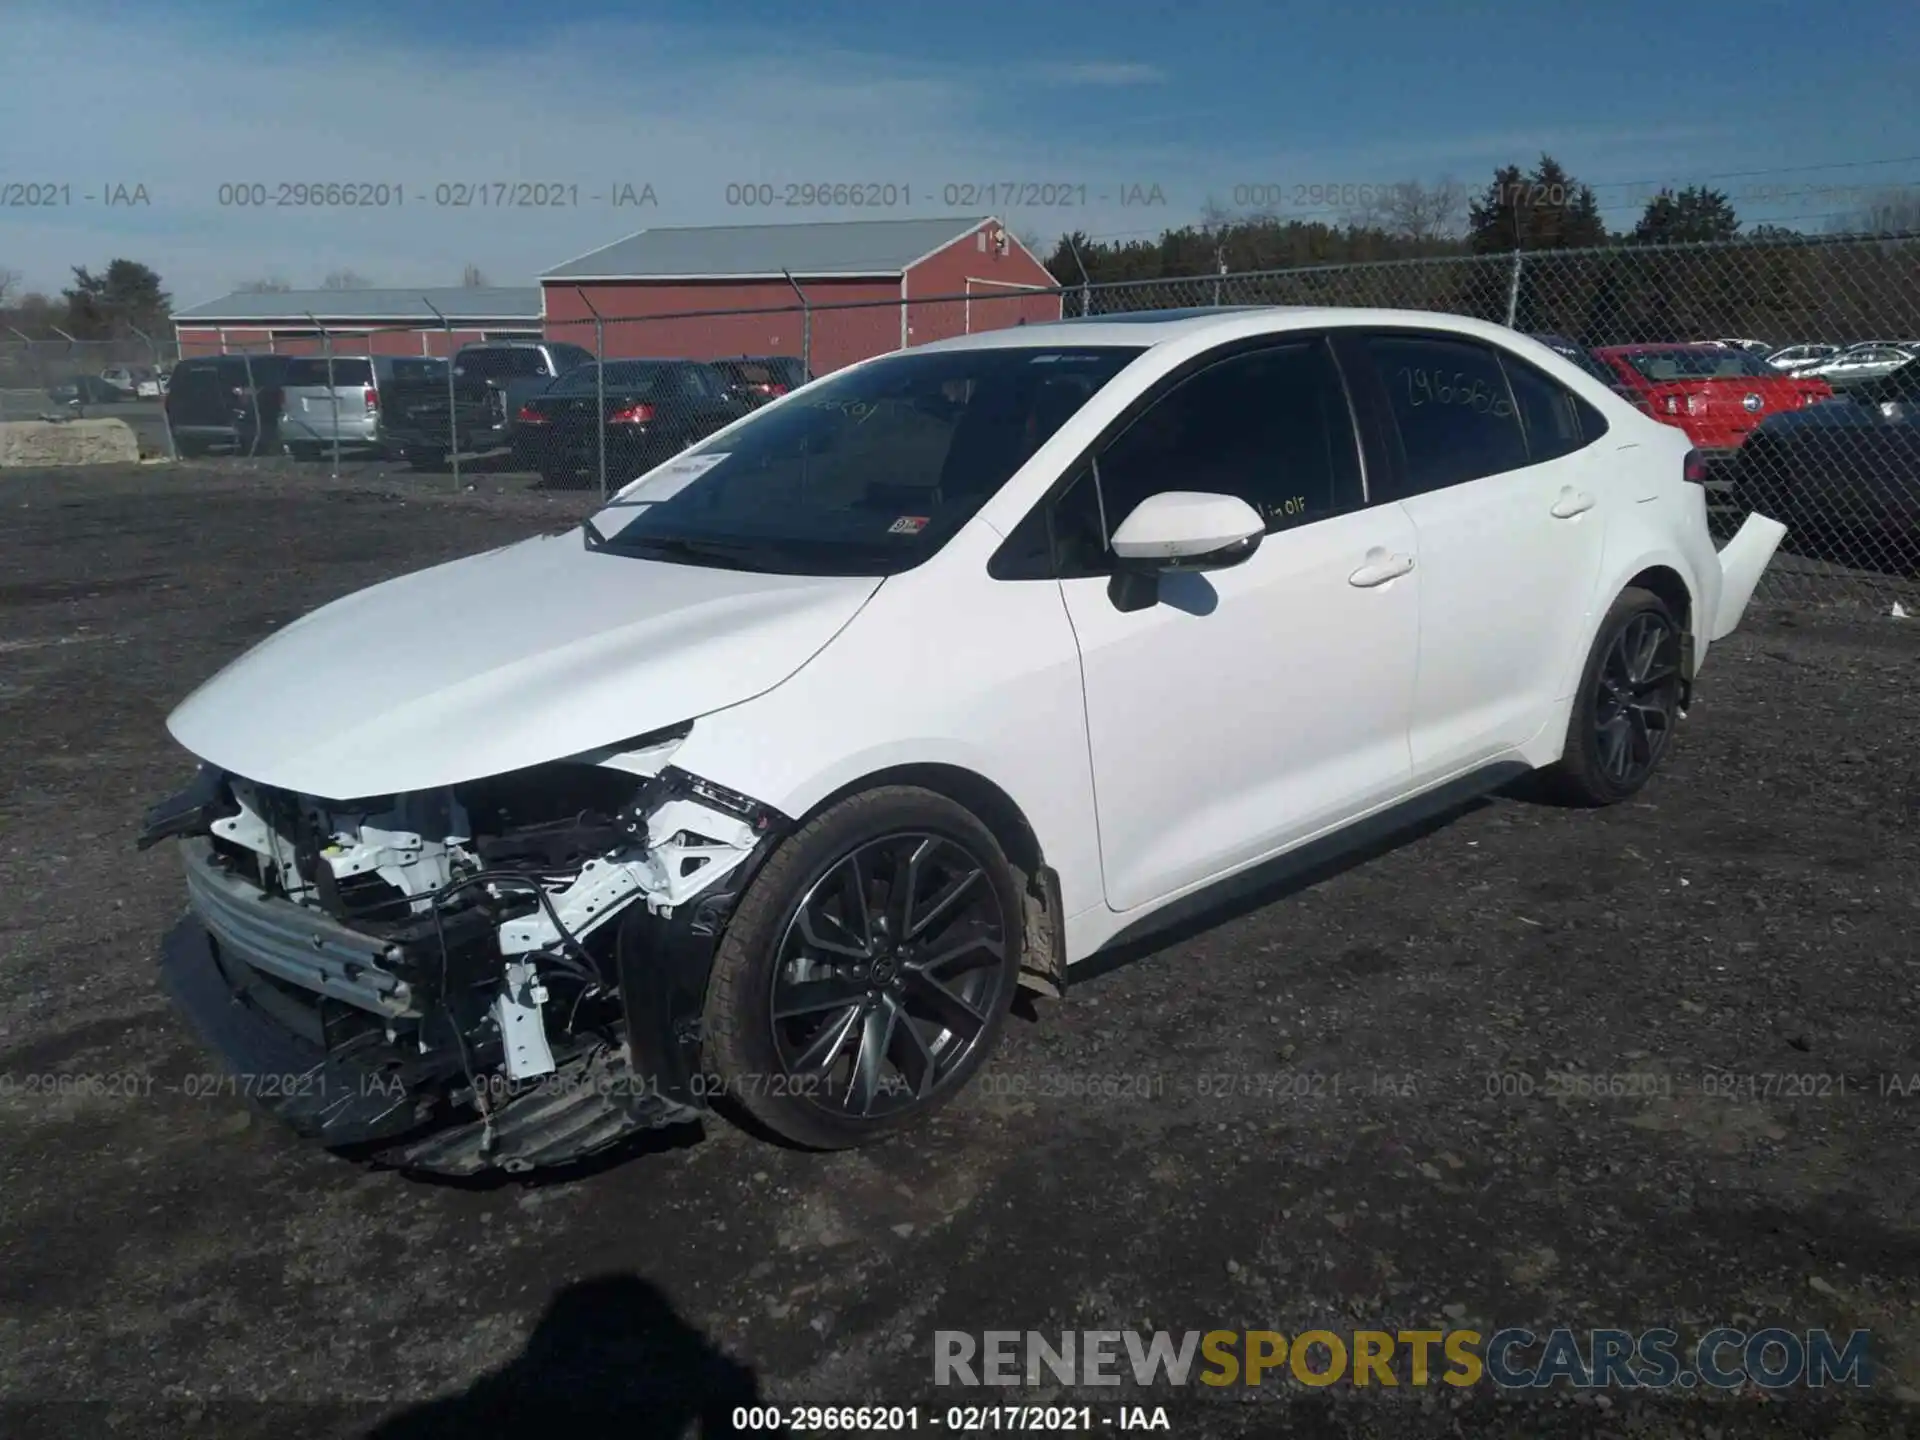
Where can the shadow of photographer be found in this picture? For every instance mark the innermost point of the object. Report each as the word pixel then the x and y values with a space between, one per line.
pixel 609 1357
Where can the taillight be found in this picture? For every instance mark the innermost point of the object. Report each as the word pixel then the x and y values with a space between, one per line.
pixel 372 397
pixel 529 416
pixel 776 388
pixel 638 414
pixel 1694 468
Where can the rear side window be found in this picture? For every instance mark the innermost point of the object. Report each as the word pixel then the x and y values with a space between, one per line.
pixel 418 369
pixel 1453 417
pixel 1557 422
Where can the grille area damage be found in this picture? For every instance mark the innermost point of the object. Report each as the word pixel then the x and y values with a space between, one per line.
pixel 506 973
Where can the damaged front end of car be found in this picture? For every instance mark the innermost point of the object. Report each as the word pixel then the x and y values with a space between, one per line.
pixel 505 973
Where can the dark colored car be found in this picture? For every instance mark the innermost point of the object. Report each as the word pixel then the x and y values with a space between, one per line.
pixel 227 402
pixel 1844 474
pixel 756 379
pixel 88 390
pixel 653 410
pixel 423 423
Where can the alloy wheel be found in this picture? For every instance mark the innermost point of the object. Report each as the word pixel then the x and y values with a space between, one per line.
pixel 1639 698
pixel 888 975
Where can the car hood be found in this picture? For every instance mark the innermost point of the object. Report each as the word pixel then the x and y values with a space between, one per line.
pixel 530 653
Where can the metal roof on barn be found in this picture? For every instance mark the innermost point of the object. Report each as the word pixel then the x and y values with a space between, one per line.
pixel 737 252
pixel 457 303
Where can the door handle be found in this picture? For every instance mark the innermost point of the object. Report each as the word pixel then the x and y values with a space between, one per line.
pixel 1572 502
pixel 1380 568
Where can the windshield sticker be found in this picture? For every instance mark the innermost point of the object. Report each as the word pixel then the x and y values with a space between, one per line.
pixel 671 478
pixel 908 525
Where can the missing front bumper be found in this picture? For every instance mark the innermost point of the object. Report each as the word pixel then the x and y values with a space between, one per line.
pixel 401 1112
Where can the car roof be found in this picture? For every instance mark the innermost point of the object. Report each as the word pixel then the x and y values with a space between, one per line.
pixel 1645 349
pixel 1147 328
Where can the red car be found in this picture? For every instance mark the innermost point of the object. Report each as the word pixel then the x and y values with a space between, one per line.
pixel 1716 395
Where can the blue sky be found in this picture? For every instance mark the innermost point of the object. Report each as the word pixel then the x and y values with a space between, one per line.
pixel 1779 103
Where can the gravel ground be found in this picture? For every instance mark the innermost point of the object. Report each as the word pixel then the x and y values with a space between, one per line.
pixel 1328 1110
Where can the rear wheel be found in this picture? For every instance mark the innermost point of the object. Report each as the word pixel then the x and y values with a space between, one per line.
pixel 866 974
pixel 427 459
pixel 558 477
pixel 1627 706
pixel 303 453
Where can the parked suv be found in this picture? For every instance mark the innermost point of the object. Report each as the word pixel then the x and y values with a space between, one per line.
pixel 230 401
pixel 336 401
pixel 490 383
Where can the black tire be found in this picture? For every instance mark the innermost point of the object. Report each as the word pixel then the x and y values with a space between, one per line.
pixel 427 459
pixel 1627 706
pixel 558 477
pixel 305 454
pixel 189 449
pixel 758 1057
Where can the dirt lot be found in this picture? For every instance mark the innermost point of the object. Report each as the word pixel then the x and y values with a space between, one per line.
pixel 1332 1108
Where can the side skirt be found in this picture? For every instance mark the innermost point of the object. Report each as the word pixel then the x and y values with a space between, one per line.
pixel 1296 867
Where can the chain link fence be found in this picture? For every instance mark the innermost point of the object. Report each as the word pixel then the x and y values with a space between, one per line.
pixel 1825 437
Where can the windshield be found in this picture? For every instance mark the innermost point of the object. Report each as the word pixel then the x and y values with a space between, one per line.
pixel 1698 364
pixel 868 475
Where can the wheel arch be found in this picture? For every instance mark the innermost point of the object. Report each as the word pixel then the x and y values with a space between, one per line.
pixel 1043 964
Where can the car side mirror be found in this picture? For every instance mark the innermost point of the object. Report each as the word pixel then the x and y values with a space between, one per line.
pixel 1177 531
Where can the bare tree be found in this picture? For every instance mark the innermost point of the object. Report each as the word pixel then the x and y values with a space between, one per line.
pixel 471 278
pixel 1894 210
pixel 270 285
pixel 9 283
pixel 346 280
pixel 1414 210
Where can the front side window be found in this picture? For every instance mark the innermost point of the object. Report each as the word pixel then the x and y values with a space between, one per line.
pixel 870 475
pixel 1453 417
pixel 1271 427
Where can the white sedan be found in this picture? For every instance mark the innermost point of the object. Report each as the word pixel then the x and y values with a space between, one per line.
pixel 928 681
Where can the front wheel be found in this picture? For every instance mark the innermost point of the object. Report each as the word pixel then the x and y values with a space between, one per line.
pixel 865 976
pixel 1627 706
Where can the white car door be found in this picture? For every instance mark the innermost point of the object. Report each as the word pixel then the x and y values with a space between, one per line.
pixel 1509 501
pixel 1250 707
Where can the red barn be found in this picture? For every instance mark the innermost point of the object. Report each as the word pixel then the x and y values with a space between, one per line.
pixel 888 270
pixel 359 322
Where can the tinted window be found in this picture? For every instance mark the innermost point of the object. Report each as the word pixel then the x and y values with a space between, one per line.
pixel 501 364
pixel 568 357
pixel 417 369
pixel 1549 413
pixel 876 471
pixel 1453 417
pixel 629 377
pixel 346 371
pixel 703 383
pixel 1271 427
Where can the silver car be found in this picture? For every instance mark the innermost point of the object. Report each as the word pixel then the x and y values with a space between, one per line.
pixel 1798 357
pixel 335 402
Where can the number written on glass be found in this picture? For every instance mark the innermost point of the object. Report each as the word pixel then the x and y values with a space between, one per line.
pixel 1437 387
